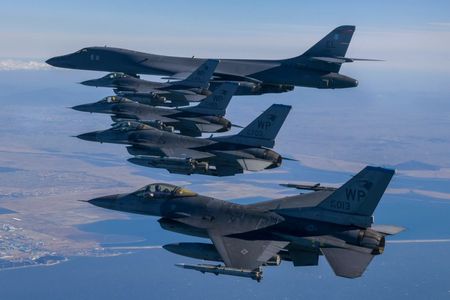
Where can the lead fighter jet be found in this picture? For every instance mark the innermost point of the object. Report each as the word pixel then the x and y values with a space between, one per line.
pixel 216 156
pixel 317 67
pixel 191 121
pixel 194 88
pixel 150 92
pixel 337 224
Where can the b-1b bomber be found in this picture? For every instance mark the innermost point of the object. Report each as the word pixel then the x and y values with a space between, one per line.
pixel 317 67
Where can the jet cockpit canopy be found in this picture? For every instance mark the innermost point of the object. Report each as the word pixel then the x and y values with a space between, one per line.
pixel 115 99
pixel 116 75
pixel 130 125
pixel 163 190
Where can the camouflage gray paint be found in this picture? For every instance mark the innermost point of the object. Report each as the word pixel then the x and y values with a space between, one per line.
pixel 217 156
pixel 318 67
pixel 296 228
pixel 206 117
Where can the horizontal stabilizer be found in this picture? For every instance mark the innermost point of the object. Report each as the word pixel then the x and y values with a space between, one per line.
pixel 347 263
pixel 330 60
pixel 314 187
pixel 387 229
pixel 254 165
pixel 341 60
pixel 351 59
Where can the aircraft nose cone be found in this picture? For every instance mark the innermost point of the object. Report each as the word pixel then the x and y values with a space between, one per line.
pixel 64 61
pixel 51 61
pixel 56 61
pixel 356 83
pixel 89 82
pixel 136 161
pixel 171 247
pixel 90 136
pixel 105 201
pixel 82 107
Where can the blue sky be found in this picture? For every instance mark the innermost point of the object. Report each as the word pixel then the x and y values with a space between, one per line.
pixel 408 34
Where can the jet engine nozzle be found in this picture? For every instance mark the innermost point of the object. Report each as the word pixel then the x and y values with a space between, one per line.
pixel 366 238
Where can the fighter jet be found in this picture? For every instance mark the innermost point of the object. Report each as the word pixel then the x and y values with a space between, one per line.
pixel 192 121
pixel 137 88
pixel 216 156
pixel 337 224
pixel 175 93
pixel 317 67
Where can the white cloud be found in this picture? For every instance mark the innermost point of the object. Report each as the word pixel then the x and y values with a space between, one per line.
pixel 15 64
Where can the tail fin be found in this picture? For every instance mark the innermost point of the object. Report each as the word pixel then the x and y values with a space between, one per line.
pixel 361 194
pixel 263 130
pixel 216 103
pixel 334 44
pixel 200 77
pixel 328 54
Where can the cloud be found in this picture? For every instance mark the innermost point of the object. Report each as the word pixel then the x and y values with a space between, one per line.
pixel 16 64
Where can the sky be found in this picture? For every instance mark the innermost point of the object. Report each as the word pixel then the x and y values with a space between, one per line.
pixel 412 35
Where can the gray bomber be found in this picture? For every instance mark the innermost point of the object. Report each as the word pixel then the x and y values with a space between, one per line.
pixel 318 67
pixel 217 156
pixel 336 223
pixel 207 116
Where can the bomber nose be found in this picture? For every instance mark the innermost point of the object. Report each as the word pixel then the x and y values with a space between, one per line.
pixel 64 61
pixel 51 61
pixel 56 61
pixel 90 136
pixel 105 201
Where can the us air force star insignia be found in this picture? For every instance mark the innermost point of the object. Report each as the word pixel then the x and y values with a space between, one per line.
pixel 244 251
